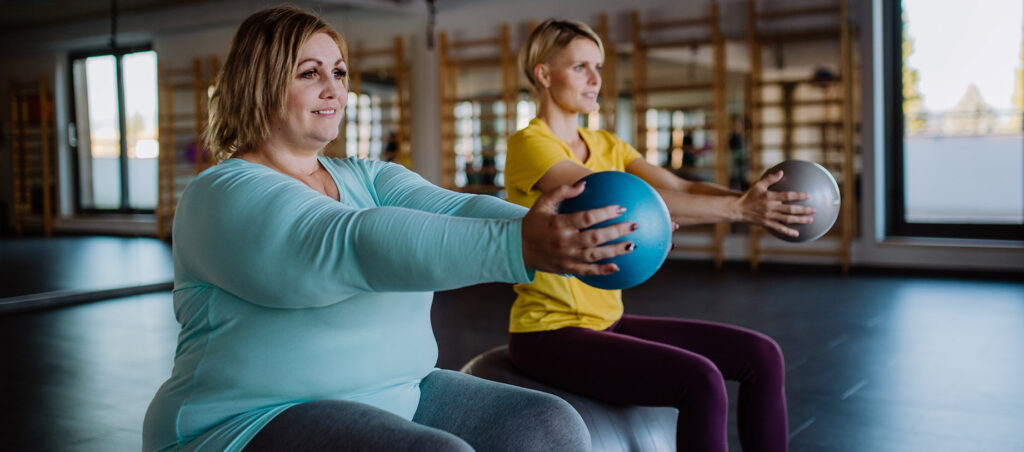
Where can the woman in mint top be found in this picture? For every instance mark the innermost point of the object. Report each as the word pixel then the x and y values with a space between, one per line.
pixel 303 284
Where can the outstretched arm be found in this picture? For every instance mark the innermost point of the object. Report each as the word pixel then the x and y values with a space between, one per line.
pixel 703 203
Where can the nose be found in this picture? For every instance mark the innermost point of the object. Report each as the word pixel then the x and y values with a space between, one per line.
pixel 334 89
pixel 595 77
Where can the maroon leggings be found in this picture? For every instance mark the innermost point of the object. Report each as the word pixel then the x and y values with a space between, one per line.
pixel 682 363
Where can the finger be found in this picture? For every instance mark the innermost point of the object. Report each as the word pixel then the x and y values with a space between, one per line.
pixel 780 228
pixel 593 269
pixel 771 178
pixel 597 237
pixel 588 218
pixel 793 219
pixel 549 201
pixel 789 196
pixel 796 209
pixel 609 251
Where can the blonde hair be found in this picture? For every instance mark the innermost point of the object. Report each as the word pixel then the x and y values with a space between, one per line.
pixel 254 83
pixel 550 37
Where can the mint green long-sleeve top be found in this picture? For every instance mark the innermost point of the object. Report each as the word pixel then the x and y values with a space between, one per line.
pixel 286 296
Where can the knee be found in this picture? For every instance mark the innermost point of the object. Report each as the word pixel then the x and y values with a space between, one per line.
pixel 767 360
pixel 701 384
pixel 546 422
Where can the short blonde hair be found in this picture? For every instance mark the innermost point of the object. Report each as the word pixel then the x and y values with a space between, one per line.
pixel 254 83
pixel 550 37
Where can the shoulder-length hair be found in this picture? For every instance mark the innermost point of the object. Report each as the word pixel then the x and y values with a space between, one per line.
pixel 253 85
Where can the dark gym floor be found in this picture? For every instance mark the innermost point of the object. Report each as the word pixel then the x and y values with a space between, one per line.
pixel 876 361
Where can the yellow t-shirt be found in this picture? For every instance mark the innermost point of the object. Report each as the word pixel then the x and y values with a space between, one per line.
pixel 552 301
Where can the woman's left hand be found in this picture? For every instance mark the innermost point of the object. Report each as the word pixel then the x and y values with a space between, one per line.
pixel 558 243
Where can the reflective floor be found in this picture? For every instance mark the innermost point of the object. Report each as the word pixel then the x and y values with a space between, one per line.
pixel 875 362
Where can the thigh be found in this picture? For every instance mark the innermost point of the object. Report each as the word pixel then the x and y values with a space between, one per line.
pixel 493 416
pixel 736 351
pixel 351 426
pixel 615 367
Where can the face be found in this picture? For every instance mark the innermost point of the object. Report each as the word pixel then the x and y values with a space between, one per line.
pixel 574 76
pixel 316 97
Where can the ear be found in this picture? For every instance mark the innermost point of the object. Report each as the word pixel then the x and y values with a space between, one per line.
pixel 542 75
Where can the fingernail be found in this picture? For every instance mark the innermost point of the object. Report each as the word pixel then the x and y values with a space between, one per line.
pixel 675 226
pixel 581 183
pixel 634 227
pixel 620 210
pixel 630 246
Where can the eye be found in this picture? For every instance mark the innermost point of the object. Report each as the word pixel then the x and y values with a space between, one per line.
pixel 339 74
pixel 309 74
pixel 578 67
pixel 599 67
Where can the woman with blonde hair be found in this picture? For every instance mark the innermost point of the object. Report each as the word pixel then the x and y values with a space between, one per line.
pixel 303 284
pixel 576 337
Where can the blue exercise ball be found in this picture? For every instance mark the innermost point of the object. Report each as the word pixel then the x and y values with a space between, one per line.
pixel 816 181
pixel 653 237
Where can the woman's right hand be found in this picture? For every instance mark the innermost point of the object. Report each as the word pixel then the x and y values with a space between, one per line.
pixel 558 243
pixel 769 209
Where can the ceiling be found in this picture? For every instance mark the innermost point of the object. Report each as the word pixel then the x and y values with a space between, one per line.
pixel 18 15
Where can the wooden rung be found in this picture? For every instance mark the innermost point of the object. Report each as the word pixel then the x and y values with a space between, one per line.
pixel 643 128
pixel 455 136
pixel 475 62
pixel 798 12
pixel 796 81
pixel 676 43
pixel 687 107
pixel 481 117
pixel 476 98
pixel 778 125
pixel 799 103
pixel 691 86
pixel 822 34
pixel 673 23
pixel 475 42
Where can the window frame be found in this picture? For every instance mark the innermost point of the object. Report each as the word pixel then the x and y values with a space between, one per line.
pixel 118 54
pixel 895 200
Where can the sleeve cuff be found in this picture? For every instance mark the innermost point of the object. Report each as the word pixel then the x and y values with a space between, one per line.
pixel 515 253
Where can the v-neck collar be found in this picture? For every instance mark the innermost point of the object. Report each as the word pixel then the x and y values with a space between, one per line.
pixel 583 137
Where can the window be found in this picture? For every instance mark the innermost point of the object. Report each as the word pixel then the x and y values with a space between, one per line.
pixel 955 71
pixel 114 130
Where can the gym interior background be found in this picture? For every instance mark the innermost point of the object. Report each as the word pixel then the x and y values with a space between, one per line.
pixel 902 328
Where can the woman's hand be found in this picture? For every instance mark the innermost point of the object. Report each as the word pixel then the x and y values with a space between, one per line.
pixel 557 243
pixel 764 207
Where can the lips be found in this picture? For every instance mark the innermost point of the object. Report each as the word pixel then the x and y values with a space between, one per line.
pixel 325 112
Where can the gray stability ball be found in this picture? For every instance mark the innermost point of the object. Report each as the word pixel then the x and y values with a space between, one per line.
pixel 816 181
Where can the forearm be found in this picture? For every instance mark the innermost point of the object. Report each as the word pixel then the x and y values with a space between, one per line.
pixel 705 188
pixel 689 209
pixel 401 188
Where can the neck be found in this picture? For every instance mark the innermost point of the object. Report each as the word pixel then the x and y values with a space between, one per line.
pixel 563 123
pixel 284 160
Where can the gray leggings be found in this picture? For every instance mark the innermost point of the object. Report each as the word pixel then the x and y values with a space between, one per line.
pixel 457 412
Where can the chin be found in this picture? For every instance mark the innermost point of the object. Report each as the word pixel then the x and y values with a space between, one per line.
pixel 587 108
